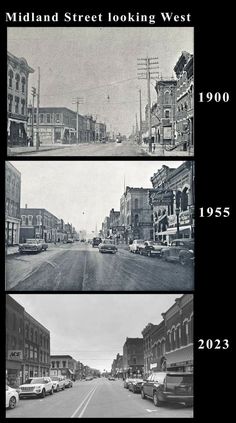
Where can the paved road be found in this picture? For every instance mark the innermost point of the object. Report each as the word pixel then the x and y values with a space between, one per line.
pixel 95 149
pixel 79 267
pixel 96 398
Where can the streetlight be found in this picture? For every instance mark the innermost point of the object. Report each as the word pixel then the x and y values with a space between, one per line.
pixel 177 211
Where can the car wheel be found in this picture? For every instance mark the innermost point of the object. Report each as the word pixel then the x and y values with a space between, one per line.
pixel 43 393
pixel 12 402
pixel 183 260
pixel 57 388
pixel 51 392
pixel 156 400
pixel 63 387
pixel 142 394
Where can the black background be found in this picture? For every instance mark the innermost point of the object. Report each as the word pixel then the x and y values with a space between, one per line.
pixel 214 162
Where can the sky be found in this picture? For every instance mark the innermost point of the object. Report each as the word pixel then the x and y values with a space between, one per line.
pixel 92 328
pixel 98 65
pixel 82 192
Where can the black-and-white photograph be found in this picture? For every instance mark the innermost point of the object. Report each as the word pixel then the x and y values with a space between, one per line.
pixel 100 91
pixel 79 356
pixel 100 225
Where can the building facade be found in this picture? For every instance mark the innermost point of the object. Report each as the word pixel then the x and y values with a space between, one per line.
pixel 12 205
pixel 117 366
pixel 136 214
pixel 38 223
pixel 154 347
pixel 100 132
pixel 185 101
pixel 56 125
pixel 18 72
pixel 27 345
pixel 178 321
pixel 63 365
pixel 133 357
pixel 172 200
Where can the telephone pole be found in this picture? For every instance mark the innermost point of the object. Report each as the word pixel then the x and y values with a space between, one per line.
pixel 38 102
pixel 77 101
pixel 148 65
pixel 33 92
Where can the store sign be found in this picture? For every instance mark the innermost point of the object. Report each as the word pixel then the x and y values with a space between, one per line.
pixel 153 365
pixel 165 198
pixel 16 355
pixel 184 217
pixel 172 220
pixel 181 363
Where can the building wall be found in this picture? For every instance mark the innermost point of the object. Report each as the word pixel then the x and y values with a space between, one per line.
pixel 133 355
pixel 12 204
pixel 38 223
pixel 63 365
pixel 165 111
pixel 14 341
pixel 138 214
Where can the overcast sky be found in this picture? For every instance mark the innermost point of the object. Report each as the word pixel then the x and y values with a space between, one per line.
pixel 99 65
pixel 82 192
pixel 93 327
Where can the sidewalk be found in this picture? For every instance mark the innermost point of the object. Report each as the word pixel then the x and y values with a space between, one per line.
pixel 11 151
pixel 161 152
pixel 12 250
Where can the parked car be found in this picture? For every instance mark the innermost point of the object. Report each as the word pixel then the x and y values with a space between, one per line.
pixel 68 383
pixel 58 383
pixel 12 397
pixel 134 247
pixel 181 250
pixel 89 378
pixel 36 387
pixel 31 245
pixel 169 387
pixel 111 378
pixel 152 248
pixel 127 381
pixel 135 385
pixel 70 240
pixel 96 241
pixel 107 246
pixel 44 244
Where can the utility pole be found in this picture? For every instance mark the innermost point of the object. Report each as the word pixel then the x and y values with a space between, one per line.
pixel 140 116
pixel 148 65
pixel 38 102
pixel 77 101
pixel 33 91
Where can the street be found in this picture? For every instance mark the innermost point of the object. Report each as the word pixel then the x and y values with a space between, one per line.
pixel 80 267
pixel 93 149
pixel 95 399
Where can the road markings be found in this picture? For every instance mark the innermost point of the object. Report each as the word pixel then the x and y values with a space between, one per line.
pixel 82 403
pixel 88 401
pixel 85 276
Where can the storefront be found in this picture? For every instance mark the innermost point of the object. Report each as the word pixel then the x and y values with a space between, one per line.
pixel 17 132
pixel 180 360
pixel 12 231
pixel 14 368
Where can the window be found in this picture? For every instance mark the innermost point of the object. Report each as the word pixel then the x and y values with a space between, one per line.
pixel 57 117
pixel 10 99
pixel 136 218
pixel 23 218
pixel 26 350
pixel 10 78
pixel 23 84
pixel 35 353
pixel 17 78
pixel 64 364
pixel 167 114
pixel 167 97
pixel 53 364
pixel 36 337
pixel 22 106
pixel 31 352
pixel 35 118
pixel 41 117
pixel 31 334
pixel 17 104
pixel 58 364
pixel 38 220
pixel 48 118
pixel 136 203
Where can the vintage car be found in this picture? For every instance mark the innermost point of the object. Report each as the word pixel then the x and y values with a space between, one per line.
pixel 111 378
pixel 31 245
pixel 169 387
pixel 134 247
pixel 96 241
pixel 152 248
pixel 58 383
pixel 36 387
pixel 107 246
pixel 12 397
pixel 44 244
pixel 181 250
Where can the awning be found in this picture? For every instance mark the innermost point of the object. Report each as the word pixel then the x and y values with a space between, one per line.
pixel 173 231
pixel 180 356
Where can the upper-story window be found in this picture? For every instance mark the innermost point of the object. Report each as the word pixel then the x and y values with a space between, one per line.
pixel 22 106
pixel 136 203
pixel 64 364
pixel 17 104
pixel 38 220
pixel 30 220
pixel 10 78
pixel 17 78
pixel 57 117
pixel 41 117
pixel 48 118
pixel 10 99
pixel 23 84
pixel 23 219
pixel 167 97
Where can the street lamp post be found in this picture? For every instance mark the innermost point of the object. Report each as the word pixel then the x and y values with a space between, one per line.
pixel 177 218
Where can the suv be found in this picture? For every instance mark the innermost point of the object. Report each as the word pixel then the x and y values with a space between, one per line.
pixel 96 241
pixel 136 244
pixel 58 383
pixel 36 387
pixel 169 387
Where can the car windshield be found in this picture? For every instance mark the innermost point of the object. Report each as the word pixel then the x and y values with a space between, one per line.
pixel 32 241
pixel 55 378
pixel 33 381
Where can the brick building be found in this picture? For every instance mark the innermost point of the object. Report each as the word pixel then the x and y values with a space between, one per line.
pixel 178 321
pixel 117 366
pixel 133 356
pixel 64 365
pixel 136 214
pixel 38 223
pixel 18 72
pixel 185 101
pixel 172 200
pixel 154 347
pixel 27 345
pixel 12 205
